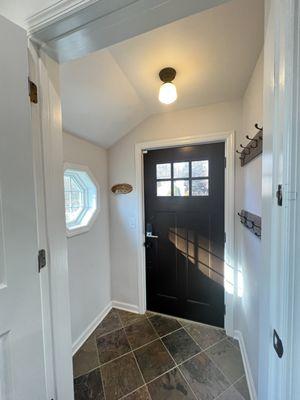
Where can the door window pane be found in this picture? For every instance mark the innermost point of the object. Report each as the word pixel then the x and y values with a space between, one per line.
pixel 181 169
pixel 200 187
pixel 181 188
pixel 163 188
pixel 199 169
pixel 163 171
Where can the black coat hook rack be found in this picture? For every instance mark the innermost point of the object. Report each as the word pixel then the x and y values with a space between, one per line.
pixel 251 222
pixel 253 148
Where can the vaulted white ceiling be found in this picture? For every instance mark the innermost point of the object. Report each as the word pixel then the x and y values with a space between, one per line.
pixel 107 93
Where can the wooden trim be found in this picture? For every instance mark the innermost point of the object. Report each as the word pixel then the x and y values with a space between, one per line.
pixel 249 377
pixel 228 138
pixel 52 149
pixel 58 10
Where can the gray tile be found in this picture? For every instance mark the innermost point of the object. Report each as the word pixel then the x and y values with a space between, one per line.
pixel 170 386
pixel 140 333
pixel 153 360
pixel 110 323
pixel 121 377
pixel 86 357
pixel 228 358
pixel 140 394
pixel 113 345
pixel 204 377
pixel 233 341
pixel 181 345
pixel 128 318
pixel 242 387
pixel 205 335
pixel 89 386
pixel 231 394
pixel 164 325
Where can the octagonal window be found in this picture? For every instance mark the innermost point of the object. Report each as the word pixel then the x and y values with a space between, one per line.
pixel 81 199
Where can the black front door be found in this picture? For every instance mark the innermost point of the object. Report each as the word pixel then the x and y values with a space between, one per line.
pixel 184 216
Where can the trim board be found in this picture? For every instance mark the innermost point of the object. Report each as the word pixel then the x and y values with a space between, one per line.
pixel 99 318
pixel 252 391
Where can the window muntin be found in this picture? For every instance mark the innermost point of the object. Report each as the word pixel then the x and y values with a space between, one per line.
pixel 81 199
pixel 183 179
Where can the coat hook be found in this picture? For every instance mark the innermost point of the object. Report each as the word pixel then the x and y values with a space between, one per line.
pixel 258 127
pixel 252 139
pixel 242 218
pixel 245 148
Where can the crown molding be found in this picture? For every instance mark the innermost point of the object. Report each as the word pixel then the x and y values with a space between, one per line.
pixel 57 11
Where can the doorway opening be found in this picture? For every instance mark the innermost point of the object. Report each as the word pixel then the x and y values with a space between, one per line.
pixel 185 248
pixel 185 233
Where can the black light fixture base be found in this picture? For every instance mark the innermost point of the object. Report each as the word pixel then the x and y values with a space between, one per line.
pixel 167 74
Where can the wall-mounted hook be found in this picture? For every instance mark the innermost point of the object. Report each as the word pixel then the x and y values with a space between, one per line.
pixel 249 138
pixel 251 222
pixel 246 149
pixel 260 128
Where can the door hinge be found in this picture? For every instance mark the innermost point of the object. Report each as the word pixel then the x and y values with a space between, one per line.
pixel 225 162
pixel 42 262
pixel 33 95
pixel 277 344
pixel 224 309
pixel 224 237
pixel 279 195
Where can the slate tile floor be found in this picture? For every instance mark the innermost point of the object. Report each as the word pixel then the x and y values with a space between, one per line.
pixel 154 357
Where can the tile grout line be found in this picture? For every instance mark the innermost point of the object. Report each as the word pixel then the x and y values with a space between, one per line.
pixel 105 396
pixel 188 321
pixel 232 386
pixel 177 367
pixel 100 372
pixel 136 361
pixel 219 368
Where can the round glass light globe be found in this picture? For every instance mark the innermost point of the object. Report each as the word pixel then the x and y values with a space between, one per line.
pixel 167 93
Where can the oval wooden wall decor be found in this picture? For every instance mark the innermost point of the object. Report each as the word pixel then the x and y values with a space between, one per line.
pixel 122 188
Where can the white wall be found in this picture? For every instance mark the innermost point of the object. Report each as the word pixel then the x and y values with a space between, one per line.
pixel 191 122
pixel 248 246
pixel 88 253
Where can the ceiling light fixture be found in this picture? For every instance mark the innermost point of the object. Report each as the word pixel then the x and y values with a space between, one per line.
pixel 167 91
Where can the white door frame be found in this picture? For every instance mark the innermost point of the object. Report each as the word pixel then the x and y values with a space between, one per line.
pixel 229 279
pixel 60 344
pixel 278 298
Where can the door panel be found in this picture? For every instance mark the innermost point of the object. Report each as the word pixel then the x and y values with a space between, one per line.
pixel 22 372
pixel 184 211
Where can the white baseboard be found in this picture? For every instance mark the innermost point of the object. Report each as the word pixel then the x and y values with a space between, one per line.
pixel 125 306
pixel 253 395
pixel 90 329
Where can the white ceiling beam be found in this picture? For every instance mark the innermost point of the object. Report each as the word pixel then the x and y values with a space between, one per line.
pixel 106 22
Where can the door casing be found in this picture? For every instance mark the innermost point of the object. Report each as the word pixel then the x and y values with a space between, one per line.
pixel 230 273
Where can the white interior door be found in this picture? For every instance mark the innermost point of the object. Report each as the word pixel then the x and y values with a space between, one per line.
pixel 22 371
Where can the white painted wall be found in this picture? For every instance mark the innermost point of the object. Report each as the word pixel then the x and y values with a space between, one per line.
pixel 191 122
pixel 88 253
pixel 248 246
